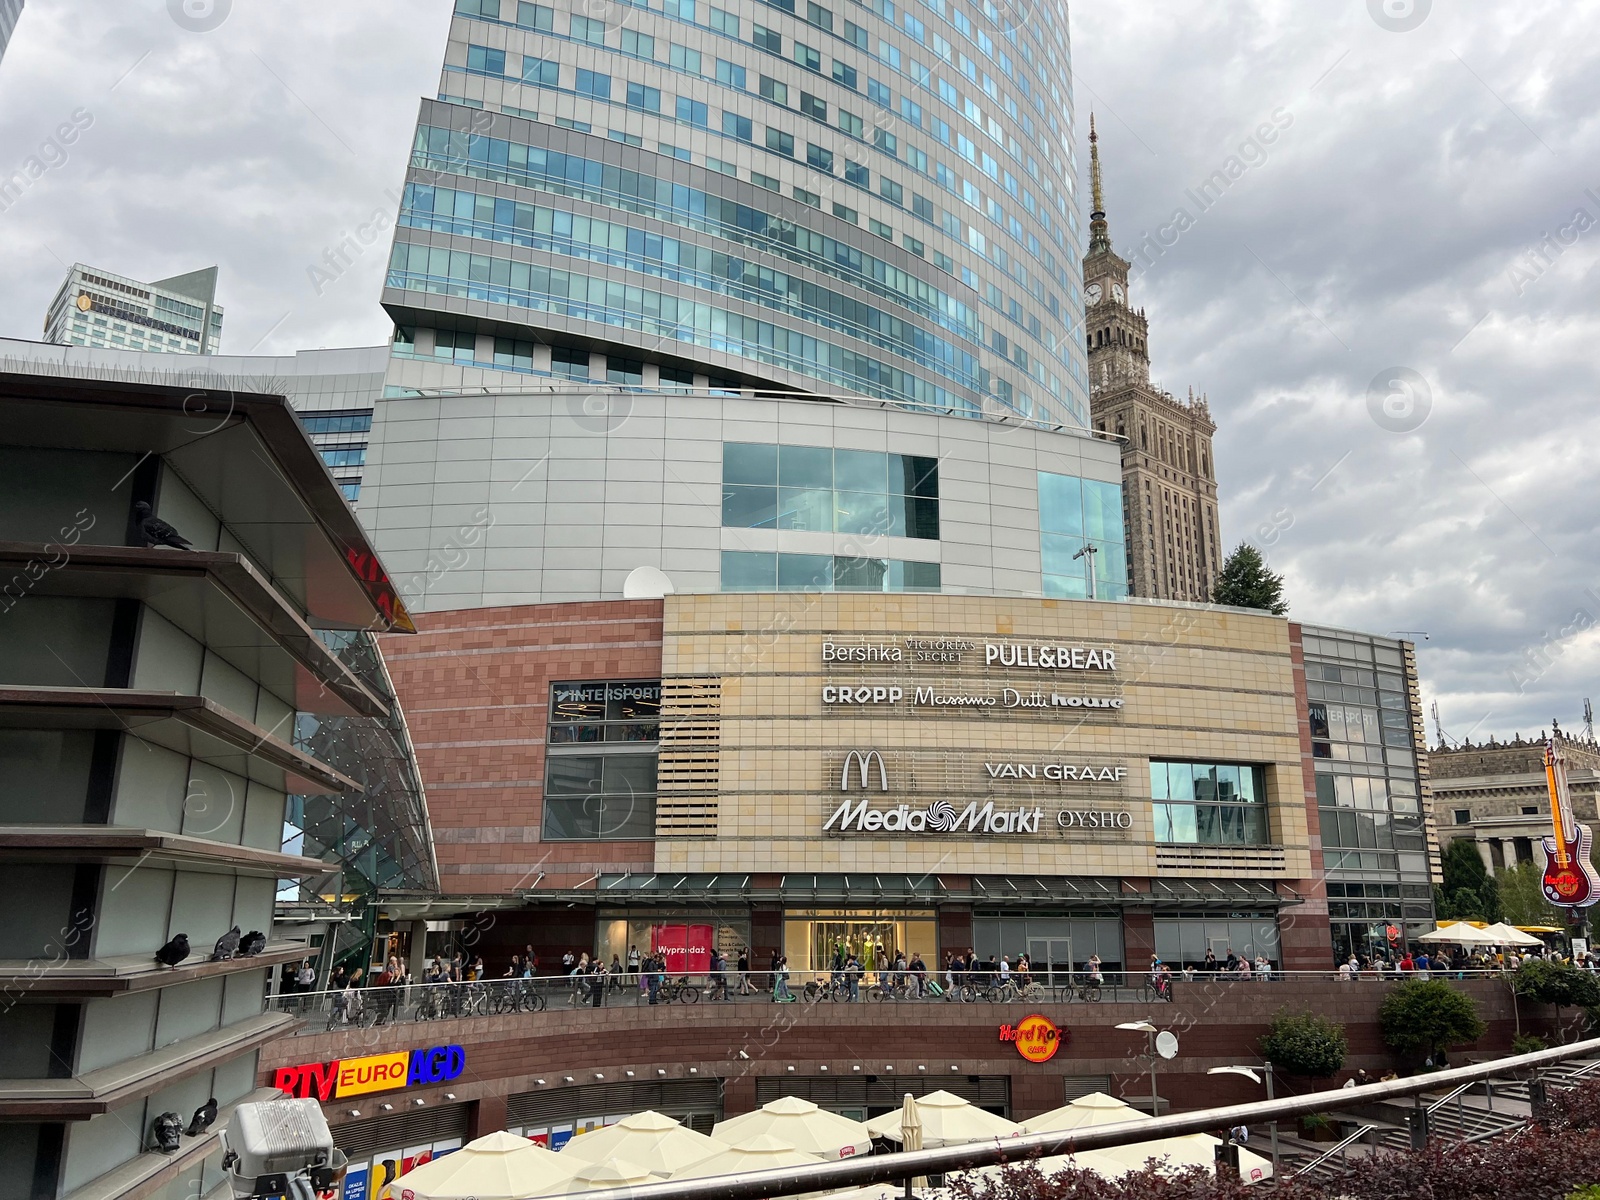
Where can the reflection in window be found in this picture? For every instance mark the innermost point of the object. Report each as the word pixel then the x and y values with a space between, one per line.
pixel 1209 804
pixel 600 769
pixel 819 490
pixel 754 571
pixel 1074 512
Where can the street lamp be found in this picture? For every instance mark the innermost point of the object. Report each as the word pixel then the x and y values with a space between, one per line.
pixel 1163 1044
pixel 1088 552
pixel 1253 1076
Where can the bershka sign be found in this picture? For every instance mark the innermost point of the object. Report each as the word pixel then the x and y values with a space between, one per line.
pixel 1054 658
pixel 939 817
pixel 339 1078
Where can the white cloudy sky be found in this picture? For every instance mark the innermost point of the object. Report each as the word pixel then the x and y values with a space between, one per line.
pixel 1388 226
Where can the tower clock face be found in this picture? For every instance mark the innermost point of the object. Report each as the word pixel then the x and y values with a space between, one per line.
pixel 1117 293
pixel 1093 293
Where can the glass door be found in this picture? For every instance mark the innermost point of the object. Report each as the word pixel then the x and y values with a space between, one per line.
pixel 1051 960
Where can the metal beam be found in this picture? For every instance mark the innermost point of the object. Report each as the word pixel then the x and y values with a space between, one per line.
pixel 863 1172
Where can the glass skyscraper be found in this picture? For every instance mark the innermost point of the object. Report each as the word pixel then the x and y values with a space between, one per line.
pixel 776 296
pixel 869 200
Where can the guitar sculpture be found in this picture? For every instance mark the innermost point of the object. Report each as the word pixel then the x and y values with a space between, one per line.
pixel 1569 878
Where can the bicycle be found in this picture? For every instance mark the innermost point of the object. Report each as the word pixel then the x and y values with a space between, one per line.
pixel 1088 992
pixel 1152 990
pixel 894 989
pixel 680 990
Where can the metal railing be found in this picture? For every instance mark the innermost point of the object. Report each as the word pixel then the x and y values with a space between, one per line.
pixel 1361 1132
pixel 391 1003
pixel 895 1168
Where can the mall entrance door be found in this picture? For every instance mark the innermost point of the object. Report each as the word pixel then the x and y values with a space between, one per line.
pixel 1050 960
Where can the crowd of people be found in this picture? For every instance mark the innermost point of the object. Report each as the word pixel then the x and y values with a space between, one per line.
pixel 1458 960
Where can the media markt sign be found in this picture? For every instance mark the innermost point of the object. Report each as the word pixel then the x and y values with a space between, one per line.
pixel 939 817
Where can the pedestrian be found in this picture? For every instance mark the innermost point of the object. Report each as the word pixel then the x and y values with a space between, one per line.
pixel 780 980
pixel 633 960
pixel 744 971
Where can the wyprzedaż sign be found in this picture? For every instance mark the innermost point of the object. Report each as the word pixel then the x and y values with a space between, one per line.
pixel 343 1077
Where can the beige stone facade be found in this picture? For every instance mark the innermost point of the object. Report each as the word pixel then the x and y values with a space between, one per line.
pixel 753 755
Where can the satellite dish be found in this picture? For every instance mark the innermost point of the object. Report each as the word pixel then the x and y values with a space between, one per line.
pixel 646 583
pixel 1167 1044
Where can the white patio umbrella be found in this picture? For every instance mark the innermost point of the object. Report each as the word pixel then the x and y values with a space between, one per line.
pixel 1195 1149
pixel 1096 1108
pixel 802 1125
pixel 1507 935
pixel 603 1175
pixel 760 1152
pixel 498 1166
pixel 947 1120
pixel 1457 933
pixel 655 1140
pixel 911 1134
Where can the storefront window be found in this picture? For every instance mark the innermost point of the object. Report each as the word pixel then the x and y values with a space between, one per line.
pixel 1074 512
pixel 1056 946
pixel 1209 804
pixel 814 940
pixel 685 940
pixel 1183 941
pixel 600 764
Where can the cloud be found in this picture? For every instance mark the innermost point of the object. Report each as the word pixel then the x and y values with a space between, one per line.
pixel 1397 222
pixel 258 145
pixel 1400 219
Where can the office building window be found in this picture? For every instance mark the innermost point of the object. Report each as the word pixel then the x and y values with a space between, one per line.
pixel 574 364
pixel 600 767
pixel 754 571
pixel 593 83
pixel 815 488
pixel 1075 513
pixel 587 29
pixel 1209 804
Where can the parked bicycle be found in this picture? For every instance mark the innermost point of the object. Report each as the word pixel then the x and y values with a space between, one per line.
pixel 1086 991
pixel 680 990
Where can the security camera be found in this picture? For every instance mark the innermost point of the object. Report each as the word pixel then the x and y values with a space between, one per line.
pixel 281 1148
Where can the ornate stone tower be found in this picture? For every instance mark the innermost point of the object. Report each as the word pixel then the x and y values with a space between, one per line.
pixel 1169 483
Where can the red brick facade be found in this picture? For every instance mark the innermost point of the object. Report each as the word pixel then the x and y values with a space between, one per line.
pixel 475 686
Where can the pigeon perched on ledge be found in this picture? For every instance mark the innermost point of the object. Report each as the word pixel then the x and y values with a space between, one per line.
pixel 166 1129
pixel 203 1117
pixel 252 944
pixel 156 532
pixel 227 946
pixel 174 952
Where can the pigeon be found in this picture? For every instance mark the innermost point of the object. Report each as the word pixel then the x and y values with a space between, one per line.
pixel 174 952
pixel 157 532
pixel 166 1129
pixel 227 946
pixel 203 1116
pixel 252 944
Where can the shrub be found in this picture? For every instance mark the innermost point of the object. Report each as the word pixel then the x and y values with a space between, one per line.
pixel 1556 983
pixel 1304 1044
pixel 1423 1017
pixel 1573 1110
pixel 1528 1043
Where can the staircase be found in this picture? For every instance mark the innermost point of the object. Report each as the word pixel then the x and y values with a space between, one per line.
pixel 1469 1114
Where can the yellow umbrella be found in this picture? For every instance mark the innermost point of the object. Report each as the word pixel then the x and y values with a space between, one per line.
pixel 1096 1108
pixel 651 1138
pixel 604 1175
pixel 498 1166
pixel 802 1125
pixel 947 1120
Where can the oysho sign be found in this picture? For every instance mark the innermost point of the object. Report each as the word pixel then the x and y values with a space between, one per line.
pixel 339 1078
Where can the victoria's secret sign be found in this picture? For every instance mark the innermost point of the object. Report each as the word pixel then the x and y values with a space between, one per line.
pixel 373 1073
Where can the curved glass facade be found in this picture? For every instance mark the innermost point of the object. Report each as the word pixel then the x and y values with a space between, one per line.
pixel 870 199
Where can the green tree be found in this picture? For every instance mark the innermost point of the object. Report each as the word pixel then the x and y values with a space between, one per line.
pixel 1558 984
pixel 1245 582
pixel 1522 896
pixel 1469 893
pixel 1422 1018
pixel 1304 1044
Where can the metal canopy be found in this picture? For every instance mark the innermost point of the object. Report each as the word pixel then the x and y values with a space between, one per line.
pixel 243 452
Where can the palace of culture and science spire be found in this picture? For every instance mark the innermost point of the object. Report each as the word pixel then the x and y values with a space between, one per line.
pixel 1169 481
